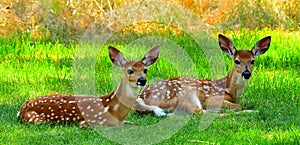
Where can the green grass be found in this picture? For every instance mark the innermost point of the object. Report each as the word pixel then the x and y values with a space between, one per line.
pixel 29 69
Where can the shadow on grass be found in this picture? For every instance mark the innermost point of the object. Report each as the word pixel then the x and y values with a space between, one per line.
pixel 8 113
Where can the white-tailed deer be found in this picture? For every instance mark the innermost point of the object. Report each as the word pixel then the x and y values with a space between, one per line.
pixel 109 110
pixel 194 95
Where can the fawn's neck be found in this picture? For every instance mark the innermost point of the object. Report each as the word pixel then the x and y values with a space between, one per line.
pixel 234 85
pixel 121 100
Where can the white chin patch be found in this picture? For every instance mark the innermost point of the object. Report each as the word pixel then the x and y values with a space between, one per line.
pixel 140 86
pixel 241 80
pixel 134 85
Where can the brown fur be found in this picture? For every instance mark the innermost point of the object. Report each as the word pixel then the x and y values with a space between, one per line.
pixel 192 95
pixel 109 110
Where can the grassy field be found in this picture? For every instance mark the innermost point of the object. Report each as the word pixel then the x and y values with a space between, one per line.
pixel 35 68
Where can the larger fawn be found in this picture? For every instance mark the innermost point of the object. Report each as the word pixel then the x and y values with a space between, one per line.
pixel 109 110
pixel 194 95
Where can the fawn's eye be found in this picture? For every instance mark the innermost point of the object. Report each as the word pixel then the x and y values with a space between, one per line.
pixel 252 62
pixel 237 62
pixel 130 71
pixel 145 71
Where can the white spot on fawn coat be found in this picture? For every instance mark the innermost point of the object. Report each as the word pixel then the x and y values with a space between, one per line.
pixel 116 107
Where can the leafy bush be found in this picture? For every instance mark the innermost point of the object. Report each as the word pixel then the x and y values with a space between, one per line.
pixel 65 20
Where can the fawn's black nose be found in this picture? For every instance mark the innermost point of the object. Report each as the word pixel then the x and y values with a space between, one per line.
pixel 246 74
pixel 141 81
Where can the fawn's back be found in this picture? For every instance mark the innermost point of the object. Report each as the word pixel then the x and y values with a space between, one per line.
pixel 67 109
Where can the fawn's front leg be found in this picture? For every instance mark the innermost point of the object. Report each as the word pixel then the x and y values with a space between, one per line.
pixel 141 107
pixel 189 102
pixel 218 103
pixel 230 105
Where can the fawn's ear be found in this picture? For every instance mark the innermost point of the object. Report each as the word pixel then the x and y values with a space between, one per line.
pixel 116 57
pixel 261 46
pixel 151 56
pixel 226 45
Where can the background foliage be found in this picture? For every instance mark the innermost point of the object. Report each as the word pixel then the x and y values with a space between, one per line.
pixel 67 19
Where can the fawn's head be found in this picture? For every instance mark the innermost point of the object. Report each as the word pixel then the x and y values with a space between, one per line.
pixel 244 59
pixel 134 71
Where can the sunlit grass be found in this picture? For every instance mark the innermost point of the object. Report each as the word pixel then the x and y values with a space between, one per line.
pixel 32 68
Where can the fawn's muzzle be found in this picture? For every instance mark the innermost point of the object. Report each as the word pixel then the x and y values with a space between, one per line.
pixel 246 74
pixel 141 81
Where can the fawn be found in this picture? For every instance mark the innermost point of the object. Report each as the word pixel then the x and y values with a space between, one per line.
pixel 194 95
pixel 109 110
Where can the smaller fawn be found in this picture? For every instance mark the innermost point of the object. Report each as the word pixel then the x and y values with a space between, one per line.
pixel 193 95
pixel 109 110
